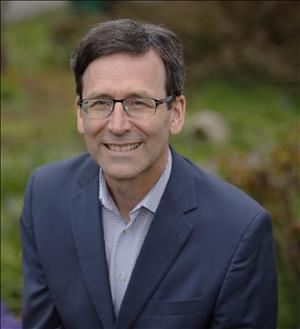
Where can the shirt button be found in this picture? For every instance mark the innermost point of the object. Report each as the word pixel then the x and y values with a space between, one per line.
pixel 123 277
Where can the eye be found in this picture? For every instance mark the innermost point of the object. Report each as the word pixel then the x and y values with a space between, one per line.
pixel 141 103
pixel 99 103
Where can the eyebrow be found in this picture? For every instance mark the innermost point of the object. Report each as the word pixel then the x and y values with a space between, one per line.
pixel 138 93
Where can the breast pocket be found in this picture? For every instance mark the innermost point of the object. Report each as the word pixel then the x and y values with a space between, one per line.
pixel 176 307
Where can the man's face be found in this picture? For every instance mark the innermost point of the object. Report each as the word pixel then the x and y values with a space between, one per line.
pixel 128 148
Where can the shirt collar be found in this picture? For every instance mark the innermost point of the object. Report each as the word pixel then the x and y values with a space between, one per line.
pixel 152 198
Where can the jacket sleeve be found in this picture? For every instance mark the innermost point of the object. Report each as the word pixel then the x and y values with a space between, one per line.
pixel 248 298
pixel 38 308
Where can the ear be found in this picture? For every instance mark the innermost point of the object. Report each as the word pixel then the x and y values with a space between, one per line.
pixel 177 115
pixel 80 122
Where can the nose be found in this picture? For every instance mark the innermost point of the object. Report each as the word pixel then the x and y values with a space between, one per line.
pixel 118 122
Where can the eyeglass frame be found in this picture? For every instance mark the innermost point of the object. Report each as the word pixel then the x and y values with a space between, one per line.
pixel 158 102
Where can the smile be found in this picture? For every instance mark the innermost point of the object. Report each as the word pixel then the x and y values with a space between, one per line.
pixel 122 148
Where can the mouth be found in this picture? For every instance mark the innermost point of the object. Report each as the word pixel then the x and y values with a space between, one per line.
pixel 123 147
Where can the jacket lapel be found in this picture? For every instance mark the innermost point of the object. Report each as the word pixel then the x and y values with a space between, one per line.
pixel 166 238
pixel 88 237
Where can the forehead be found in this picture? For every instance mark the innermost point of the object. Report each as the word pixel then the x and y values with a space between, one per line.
pixel 120 72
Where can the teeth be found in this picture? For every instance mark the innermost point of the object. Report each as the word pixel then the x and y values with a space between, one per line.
pixel 122 148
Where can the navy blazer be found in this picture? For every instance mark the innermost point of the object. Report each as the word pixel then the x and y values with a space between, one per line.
pixel 207 262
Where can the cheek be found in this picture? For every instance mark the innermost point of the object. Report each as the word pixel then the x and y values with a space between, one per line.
pixel 162 126
pixel 151 129
pixel 93 127
pixel 158 134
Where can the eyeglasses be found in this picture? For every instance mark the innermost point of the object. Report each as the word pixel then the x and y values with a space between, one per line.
pixel 100 108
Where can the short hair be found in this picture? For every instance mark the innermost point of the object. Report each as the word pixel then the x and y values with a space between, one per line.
pixel 133 38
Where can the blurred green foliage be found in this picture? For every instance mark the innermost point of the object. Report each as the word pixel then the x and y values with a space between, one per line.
pixel 39 125
pixel 272 178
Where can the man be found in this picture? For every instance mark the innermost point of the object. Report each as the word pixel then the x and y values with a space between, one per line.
pixel 133 235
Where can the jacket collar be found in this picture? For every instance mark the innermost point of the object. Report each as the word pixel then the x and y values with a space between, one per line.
pixel 87 172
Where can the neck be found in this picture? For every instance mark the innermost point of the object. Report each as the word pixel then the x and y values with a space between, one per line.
pixel 128 193
pixel 125 196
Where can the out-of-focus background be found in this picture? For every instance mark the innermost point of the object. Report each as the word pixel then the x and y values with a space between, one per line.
pixel 242 113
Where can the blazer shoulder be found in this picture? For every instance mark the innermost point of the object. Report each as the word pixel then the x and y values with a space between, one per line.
pixel 224 212
pixel 64 173
pixel 222 194
pixel 67 165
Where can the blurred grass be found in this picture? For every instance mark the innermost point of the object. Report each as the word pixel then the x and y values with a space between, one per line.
pixel 38 125
pixel 259 115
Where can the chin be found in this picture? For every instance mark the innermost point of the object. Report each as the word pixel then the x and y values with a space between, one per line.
pixel 121 174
